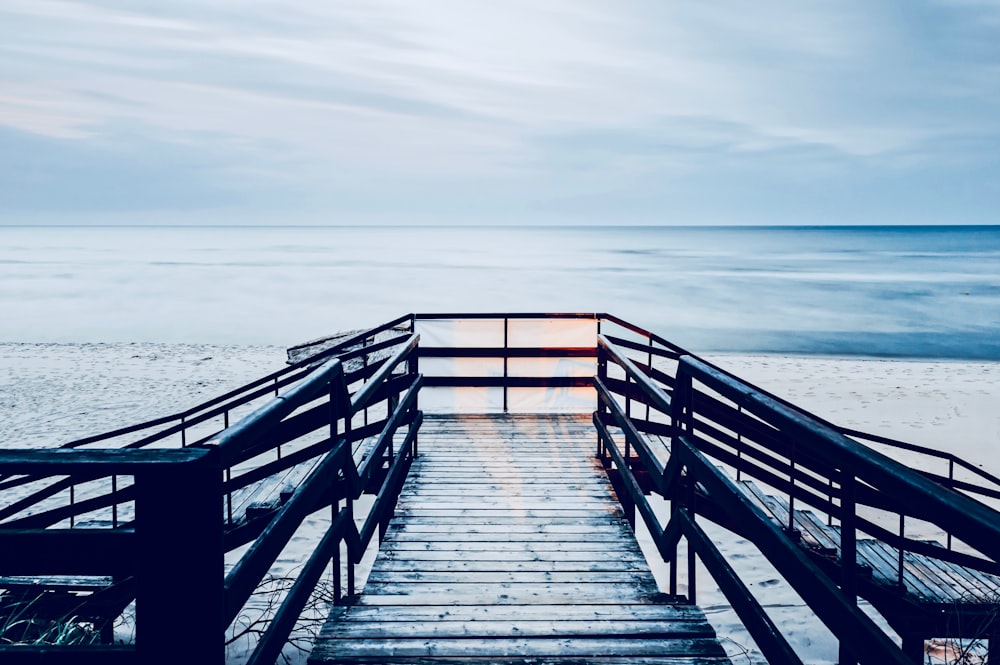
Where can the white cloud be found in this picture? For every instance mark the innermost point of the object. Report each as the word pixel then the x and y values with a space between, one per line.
pixel 514 91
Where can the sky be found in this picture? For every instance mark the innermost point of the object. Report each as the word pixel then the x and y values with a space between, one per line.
pixel 468 112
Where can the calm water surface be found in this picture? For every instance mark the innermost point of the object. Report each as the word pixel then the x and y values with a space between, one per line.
pixel 907 291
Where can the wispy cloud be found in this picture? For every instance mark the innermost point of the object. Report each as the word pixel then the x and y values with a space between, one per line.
pixel 402 106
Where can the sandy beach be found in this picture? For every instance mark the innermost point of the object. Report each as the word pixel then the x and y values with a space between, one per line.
pixel 52 393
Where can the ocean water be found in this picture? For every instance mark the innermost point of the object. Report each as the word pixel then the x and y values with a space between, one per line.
pixel 931 292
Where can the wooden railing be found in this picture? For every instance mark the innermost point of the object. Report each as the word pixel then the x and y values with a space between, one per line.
pixel 148 559
pixel 351 421
pixel 348 418
pixel 502 351
pixel 675 427
pixel 337 477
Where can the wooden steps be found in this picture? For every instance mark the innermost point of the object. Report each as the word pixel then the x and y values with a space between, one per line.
pixel 509 546
pixel 926 580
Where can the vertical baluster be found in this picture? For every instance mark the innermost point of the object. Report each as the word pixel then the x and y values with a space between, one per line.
pixel 72 502
pixel 848 552
pixel 364 363
pixel 350 566
pixel 114 501
pixel 650 363
pixel 335 503
pixel 791 497
pixel 505 354
pixel 829 498
pixel 692 571
pixel 951 477
pixel 229 495
pixel 628 400
pixel 739 448
pixel 602 374
pixel 902 535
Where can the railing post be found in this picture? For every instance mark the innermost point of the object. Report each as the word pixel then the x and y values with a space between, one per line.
pixel 951 479
pixel 349 507
pixel 902 536
pixel 179 588
pixel 506 327
pixel 650 359
pixel 413 367
pixel 680 405
pixel 335 502
pixel 692 571
pixel 602 374
pixel 848 551
pixel 790 528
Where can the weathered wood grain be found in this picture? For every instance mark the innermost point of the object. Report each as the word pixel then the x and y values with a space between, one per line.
pixel 509 546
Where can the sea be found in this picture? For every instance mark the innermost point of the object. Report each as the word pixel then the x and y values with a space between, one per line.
pixel 898 291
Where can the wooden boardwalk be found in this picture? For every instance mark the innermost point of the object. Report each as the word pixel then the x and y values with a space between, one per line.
pixel 927 581
pixel 509 546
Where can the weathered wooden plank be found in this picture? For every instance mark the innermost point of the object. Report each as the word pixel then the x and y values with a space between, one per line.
pixel 454 539
pixel 480 552
pixel 408 528
pixel 571 647
pixel 508 503
pixel 505 564
pixel 382 576
pixel 486 483
pixel 820 530
pixel 982 585
pixel 513 596
pixel 512 550
pixel 539 612
pixel 884 569
pixel 610 510
pixel 528 493
pixel 616 629
pixel 508 521
pixel 556 660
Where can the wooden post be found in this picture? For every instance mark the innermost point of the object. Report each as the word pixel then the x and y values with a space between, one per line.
pixel 848 553
pixel 602 374
pixel 179 590
pixel 913 647
pixel 505 363
pixel 414 370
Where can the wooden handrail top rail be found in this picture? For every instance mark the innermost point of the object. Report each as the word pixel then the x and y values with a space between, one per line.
pixel 361 398
pixel 968 519
pixel 62 461
pixel 277 408
pixel 658 397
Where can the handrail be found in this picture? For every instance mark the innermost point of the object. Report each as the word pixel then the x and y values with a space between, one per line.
pixel 145 553
pixel 778 430
pixel 361 398
pixel 657 396
pixel 257 383
pixel 315 490
pixel 267 416
pixel 949 457
pixel 869 644
pixel 968 519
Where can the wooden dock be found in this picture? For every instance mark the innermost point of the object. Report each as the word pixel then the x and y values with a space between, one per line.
pixel 509 546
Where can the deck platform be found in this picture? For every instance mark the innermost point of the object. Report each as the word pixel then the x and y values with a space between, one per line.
pixel 509 546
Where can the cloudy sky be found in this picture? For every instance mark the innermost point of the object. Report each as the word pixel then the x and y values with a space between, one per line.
pixel 577 111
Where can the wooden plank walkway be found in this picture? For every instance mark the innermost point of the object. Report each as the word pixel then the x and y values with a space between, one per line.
pixel 509 546
pixel 927 580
